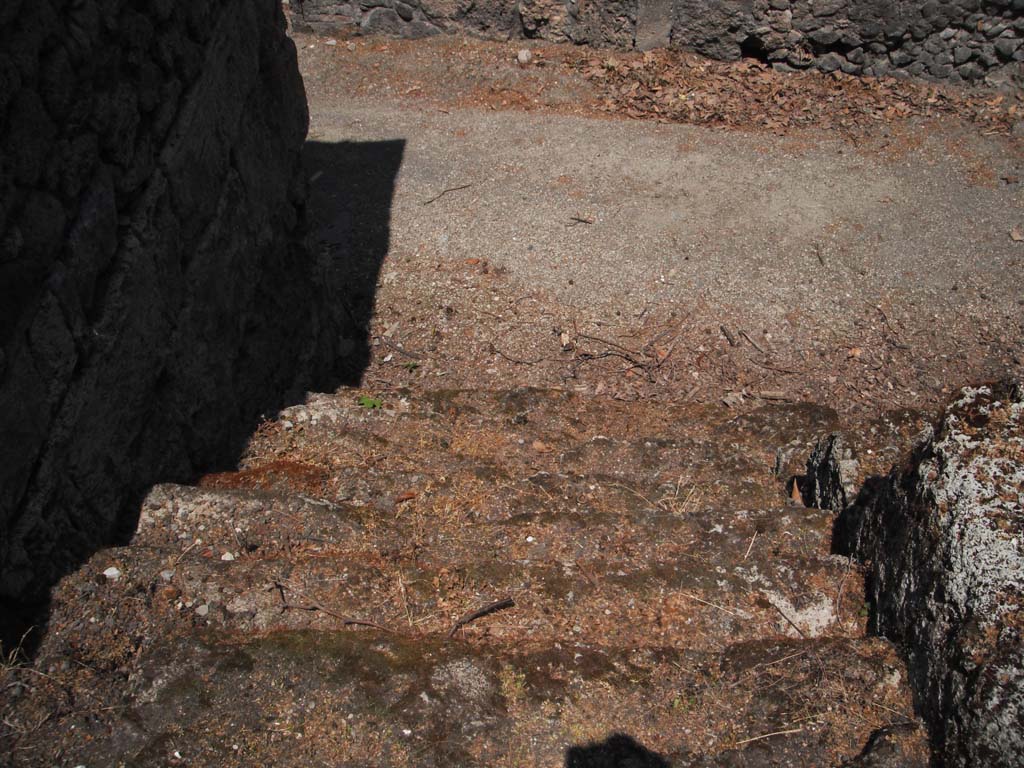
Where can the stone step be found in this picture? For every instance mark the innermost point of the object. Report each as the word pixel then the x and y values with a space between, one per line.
pixel 483 578
pixel 371 698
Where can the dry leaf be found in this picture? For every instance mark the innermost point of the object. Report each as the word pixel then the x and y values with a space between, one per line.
pixel 1017 234
pixel 795 494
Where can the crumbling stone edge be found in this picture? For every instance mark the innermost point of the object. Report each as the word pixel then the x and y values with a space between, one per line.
pixel 942 540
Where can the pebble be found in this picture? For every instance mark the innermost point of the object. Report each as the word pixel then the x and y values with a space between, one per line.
pixel 524 57
pixel 112 573
pixel 202 610
pixel 167 575
pixel 227 557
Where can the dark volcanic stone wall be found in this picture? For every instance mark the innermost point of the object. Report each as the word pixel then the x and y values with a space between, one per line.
pixel 153 300
pixel 956 40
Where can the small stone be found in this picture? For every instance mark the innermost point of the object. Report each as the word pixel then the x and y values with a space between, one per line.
pixel 825 36
pixel 167 575
pixel 830 62
pixel 112 573
pixel 524 57
pixel 202 610
pixel 227 557
pixel 961 54
pixel 1005 46
pixel 971 71
pixel 404 11
pixel 900 58
pixel 332 41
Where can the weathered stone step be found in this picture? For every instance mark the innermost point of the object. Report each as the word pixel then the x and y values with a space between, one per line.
pixel 371 698
pixel 530 431
pixel 661 582
pixel 474 443
pixel 695 579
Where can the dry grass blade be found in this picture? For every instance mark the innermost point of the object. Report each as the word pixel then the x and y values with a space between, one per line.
pixel 769 735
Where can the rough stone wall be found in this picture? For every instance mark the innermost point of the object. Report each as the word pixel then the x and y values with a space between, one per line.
pixel 956 40
pixel 153 298
pixel 943 541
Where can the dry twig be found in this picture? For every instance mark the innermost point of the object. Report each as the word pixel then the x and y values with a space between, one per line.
pixel 313 605
pixel 499 605
pixel 444 192
pixel 769 735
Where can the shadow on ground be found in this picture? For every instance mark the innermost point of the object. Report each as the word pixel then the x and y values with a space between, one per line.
pixel 307 331
pixel 351 190
pixel 617 751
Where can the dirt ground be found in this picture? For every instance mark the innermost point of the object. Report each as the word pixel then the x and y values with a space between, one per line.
pixel 663 226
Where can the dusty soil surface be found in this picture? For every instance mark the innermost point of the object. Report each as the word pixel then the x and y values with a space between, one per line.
pixel 812 237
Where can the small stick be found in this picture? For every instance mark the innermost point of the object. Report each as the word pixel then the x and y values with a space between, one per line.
pixel 315 606
pixel 750 546
pixel 574 220
pixel 612 344
pixel 728 335
pixel 444 192
pixel 405 599
pixel 839 594
pixel 898 344
pixel 654 504
pixel 782 613
pixel 774 367
pixel 586 574
pixel 817 252
pixel 764 665
pixel 184 552
pixel 399 350
pixel 713 605
pixel 769 735
pixel 753 343
pixel 500 605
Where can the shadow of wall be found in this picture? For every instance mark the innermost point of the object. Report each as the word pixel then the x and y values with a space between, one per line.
pixel 617 751
pixel 158 299
pixel 303 327
pixel 351 190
